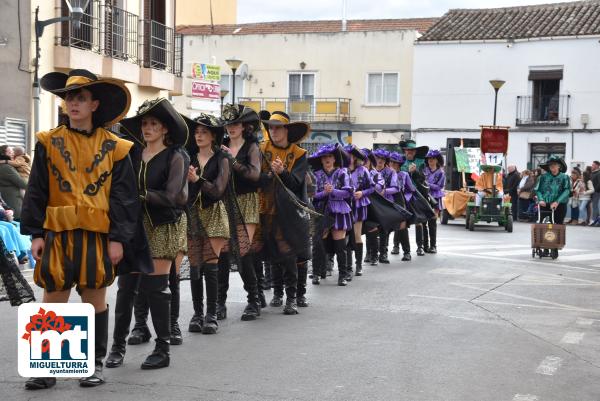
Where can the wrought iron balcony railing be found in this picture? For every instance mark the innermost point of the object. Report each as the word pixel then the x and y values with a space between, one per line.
pixel 87 35
pixel 158 42
pixel 308 108
pixel 120 34
pixel 543 110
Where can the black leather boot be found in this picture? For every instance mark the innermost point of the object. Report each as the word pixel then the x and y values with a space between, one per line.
pixel 432 224
pixel 383 247
pixel 358 253
pixel 140 333
pixel 349 268
pixel 260 280
pixel 100 347
pixel 368 245
pixel 375 249
pixel 339 247
pixel 419 238
pixel 425 236
pixel 40 383
pixel 290 279
pixel 127 284
pixel 156 288
pixel 252 310
pixel 405 242
pixel 396 248
pixel 212 288
pixel 223 280
pixel 174 284
pixel 277 279
pixel 268 276
pixel 301 287
pixel 196 285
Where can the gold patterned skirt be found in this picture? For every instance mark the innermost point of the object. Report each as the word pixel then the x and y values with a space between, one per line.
pixel 167 240
pixel 248 204
pixel 215 220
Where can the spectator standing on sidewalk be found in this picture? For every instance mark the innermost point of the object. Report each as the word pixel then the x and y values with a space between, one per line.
pixel 576 188
pixel 525 192
pixel 585 196
pixel 596 194
pixel 511 187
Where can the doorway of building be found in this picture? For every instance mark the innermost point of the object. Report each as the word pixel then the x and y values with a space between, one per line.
pixel 540 152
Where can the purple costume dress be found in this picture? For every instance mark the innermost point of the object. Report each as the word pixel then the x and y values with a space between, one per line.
pixel 436 180
pixel 390 180
pixel 361 180
pixel 405 186
pixel 336 203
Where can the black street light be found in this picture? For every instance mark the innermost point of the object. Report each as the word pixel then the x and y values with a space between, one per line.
pixel 234 64
pixel 224 93
pixel 76 10
pixel 496 84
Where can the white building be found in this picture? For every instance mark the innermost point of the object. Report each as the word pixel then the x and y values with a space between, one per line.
pixel 549 56
pixel 350 79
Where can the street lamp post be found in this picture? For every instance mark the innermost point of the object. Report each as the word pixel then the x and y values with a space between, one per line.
pixel 224 93
pixel 496 84
pixel 76 10
pixel 234 64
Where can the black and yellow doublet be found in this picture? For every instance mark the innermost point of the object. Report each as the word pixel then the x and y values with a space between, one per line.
pixel 81 195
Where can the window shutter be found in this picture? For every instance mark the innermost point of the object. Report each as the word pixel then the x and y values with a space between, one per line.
pixel 538 75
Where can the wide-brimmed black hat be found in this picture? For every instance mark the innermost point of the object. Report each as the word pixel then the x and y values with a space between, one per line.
pixel 237 113
pixel 205 120
pixel 163 110
pixel 297 131
pixel 356 152
pixel 411 144
pixel 113 95
pixel 333 149
pixel 557 160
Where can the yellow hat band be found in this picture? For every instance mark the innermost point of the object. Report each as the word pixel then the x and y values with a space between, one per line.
pixel 279 117
pixel 77 80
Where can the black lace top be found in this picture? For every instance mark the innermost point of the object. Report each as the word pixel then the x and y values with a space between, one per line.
pixel 215 177
pixel 247 168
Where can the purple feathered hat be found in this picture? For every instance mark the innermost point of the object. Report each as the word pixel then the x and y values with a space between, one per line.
pixel 329 149
pixel 397 158
pixel 435 154
pixel 356 152
pixel 382 154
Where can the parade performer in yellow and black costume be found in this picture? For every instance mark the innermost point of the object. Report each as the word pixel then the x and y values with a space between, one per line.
pixel 163 190
pixel 285 233
pixel 81 202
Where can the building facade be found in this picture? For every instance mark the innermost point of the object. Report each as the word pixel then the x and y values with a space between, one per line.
pixel 206 12
pixel 131 41
pixel 548 57
pixel 351 80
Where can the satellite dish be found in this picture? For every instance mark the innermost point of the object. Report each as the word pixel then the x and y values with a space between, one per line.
pixel 243 71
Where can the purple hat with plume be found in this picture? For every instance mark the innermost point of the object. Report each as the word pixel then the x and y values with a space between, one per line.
pixel 328 149
pixel 397 158
pixel 381 153
pixel 435 154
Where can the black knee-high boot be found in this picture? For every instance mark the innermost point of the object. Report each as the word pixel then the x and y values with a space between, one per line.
pixel 268 276
pixel 301 287
pixel 432 224
pixel 140 333
pixel 373 247
pixel 174 284
pixel 223 279
pixel 426 230
pixel 358 256
pixel 290 280
pixel 156 289
pixel 349 268
pixel 383 247
pixel 252 310
pixel 101 331
pixel 396 248
pixel 260 279
pixel 339 247
pixel 319 261
pixel 368 245
pixel 211 271
pixel 196 285
pixel 127 284
pixel 277 279
pixel 419 238
pixel 405 242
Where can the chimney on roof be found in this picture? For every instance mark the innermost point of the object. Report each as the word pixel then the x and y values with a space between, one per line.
pixel 344 8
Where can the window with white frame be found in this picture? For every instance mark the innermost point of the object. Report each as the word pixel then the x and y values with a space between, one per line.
pixel 301 85
pixel 383 88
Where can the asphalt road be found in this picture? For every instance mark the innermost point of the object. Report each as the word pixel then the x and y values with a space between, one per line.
pixel 479 321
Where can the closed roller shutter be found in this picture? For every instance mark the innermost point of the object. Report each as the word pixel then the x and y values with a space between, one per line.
pixel 14 133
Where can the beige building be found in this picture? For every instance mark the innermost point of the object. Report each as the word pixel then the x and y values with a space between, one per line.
pixel 206 12
pixel 130 40
pixel 351 80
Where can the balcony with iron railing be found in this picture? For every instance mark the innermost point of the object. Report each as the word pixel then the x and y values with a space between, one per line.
pixel 126 42
pixel 311 109
pixel 543 110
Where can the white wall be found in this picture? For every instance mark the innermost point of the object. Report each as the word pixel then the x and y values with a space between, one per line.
pixel 451 81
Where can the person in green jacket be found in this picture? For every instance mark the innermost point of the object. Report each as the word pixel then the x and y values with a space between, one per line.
pixel 553 189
